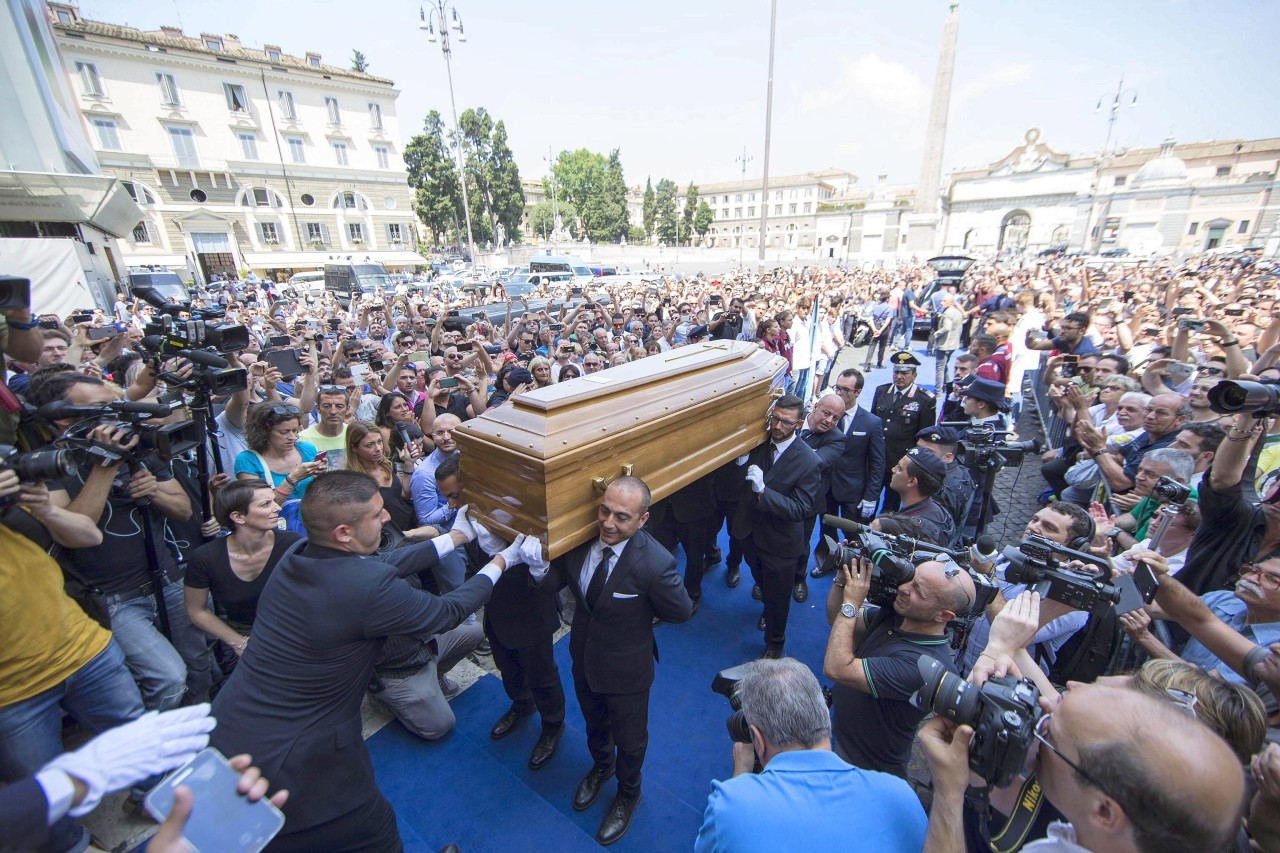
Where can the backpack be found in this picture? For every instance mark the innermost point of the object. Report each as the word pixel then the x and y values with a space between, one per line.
pixel 1090 652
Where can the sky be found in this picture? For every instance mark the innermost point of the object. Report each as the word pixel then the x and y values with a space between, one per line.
pixel 679 85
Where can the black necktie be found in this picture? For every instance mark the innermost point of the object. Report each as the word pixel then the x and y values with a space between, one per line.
pixel 596 584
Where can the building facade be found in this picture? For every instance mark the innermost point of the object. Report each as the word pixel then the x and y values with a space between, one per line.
pixel 793 205
pixel 240 159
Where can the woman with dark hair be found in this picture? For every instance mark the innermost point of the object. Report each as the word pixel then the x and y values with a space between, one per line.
pixel 234 570
pixel 275 453
pixel 366 453
pixel 569 371
pixel 394 408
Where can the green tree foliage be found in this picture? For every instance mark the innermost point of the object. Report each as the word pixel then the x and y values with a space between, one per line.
pixel 542 218
pixel 498 198
pixel 702 219
pixel 594 184
pixel 690 208
pixel 667 215
pixel 635 234
pixel 359 63
pixel 433 174
pixel 650 209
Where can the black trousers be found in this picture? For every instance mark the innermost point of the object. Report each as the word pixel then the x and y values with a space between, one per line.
pixel 724 512
pixel 802 562
pixel 775 573
pixel 693 536
pixel 370 828
pixel 530 678
pixel 880 342
pixel 617 730
pixel 1055 471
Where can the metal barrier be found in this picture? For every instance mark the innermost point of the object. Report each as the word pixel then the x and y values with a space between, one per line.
pixel 1055 429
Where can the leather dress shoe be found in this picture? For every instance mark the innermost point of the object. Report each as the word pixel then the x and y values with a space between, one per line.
pixel 817 572
pixel 760 624
pixel 733 577
pixel 545 747
pixel 713 558
pixel 589 788
pixel 800 593
pixel 695 606
pixel 618 819
pixel 507 724
pixel 756 593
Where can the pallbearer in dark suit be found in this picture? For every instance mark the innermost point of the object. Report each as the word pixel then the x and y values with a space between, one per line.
pixel 820 432
pixel 778 494
pixel 293 701
pixel 622 580
pixel 685 518
pixel 905 409
pixel 727 480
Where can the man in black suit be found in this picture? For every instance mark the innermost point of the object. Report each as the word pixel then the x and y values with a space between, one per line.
pixel 820 432
pixel 293 701
pixel 727 482
pixel 621 580
pixel 905 409
pixel 856 476
pixel 782 479
pixel 685 518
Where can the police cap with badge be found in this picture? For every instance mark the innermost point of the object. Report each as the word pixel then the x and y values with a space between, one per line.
pixel 903 361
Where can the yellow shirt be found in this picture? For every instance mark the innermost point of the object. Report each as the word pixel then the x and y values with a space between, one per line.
pixel 44 636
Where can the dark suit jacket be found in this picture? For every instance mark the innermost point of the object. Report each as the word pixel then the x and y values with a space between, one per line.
pixel 859 473
pixel 829 446
pixel 902 418
pixel 520 614
pixel 24 815
pixel 613 645
pixel 774 519
pixel 293 702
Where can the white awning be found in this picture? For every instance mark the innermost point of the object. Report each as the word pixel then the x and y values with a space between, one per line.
pixel 46 197
pixel 316 260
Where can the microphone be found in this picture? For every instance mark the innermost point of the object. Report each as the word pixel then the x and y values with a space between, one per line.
pixel 128 407
pixel 984 549
pixel 204 358
pixel 61 410
pixel 843 524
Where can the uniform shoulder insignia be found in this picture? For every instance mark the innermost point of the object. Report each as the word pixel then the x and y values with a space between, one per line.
pixel 928 394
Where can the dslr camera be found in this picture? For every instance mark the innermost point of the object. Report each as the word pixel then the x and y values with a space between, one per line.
pixel 726 683
pixel 1233 397
pixel 33 467
pixel 1003 713
pixel 1035 562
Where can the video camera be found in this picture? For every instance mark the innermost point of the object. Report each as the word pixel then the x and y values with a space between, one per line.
pixel 1233 397
pixel 33 467
pixel 1035 563
pixel 983 446
pixel 1003 713
pixel 167 440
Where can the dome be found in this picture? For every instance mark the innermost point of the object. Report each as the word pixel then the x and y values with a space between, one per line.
pixel 1165 168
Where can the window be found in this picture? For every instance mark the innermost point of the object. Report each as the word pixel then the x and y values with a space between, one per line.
pixel 340 153
pixel 792 208
pixel 1121 179
pixel 236 101
pixel 1195 226
pixel 285 101
pixel 317 232
pixel 355 231
pixel 384 156
pixel 751 211
pixel 249 146
pixel 262 197
pixel 335 114
pixel 140 194
pixel 777 196
pixel 777 208
pixel 108 134
pixel 724 200
pixel 395 232
pixel 140 233
pixel 308 199
pixel 296 152
pixel 724 214
pixel 738 197
pixel 1223 171
pixel 313 59
pixel 168 90
pixel 64 17
pixel 752 197
pixel 273 55
pixel 808 207
pixel 375 116
pixel 213 44
pixel 90 82
pixel 793 193
pixel 1244 227
pixel 268 232
pixel 350 201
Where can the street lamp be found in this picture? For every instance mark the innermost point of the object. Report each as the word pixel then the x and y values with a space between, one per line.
pixel 555 203
pixel 1122 97
pixel 430 23
pixel 1117 100
pixel 742 160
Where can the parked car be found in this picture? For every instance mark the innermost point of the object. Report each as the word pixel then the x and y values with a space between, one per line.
pixel 1055 251
pixel 950 269
pixel 1114 252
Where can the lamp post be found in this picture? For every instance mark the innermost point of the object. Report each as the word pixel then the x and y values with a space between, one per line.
pixel 555 202
pixel 430 23
pixel 1118 100
pixel 743 159
pixel 768 130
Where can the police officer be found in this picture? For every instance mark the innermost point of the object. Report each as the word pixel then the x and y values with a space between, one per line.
pixel 958 488
pixel 905 409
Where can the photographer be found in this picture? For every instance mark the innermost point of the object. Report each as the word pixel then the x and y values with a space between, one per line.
pixel 727 325
pixel 1166 413
pixel 116 499
pixel 873 659
pixel 804 797
pixel 1140 505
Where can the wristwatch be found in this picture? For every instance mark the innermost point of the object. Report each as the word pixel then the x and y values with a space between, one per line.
pixel 849 610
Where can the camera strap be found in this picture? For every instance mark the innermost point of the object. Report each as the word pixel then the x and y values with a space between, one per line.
pixel 1013 835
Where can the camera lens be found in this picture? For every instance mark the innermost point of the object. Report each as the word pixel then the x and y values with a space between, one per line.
pixel 946 693
pixel 42 465
pixel 739 731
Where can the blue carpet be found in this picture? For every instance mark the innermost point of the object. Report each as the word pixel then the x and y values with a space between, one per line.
pixel 477 792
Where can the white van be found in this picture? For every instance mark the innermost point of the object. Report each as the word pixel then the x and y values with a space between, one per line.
pixel 309 283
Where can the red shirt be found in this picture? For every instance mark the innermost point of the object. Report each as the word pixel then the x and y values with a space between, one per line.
pixel 996 367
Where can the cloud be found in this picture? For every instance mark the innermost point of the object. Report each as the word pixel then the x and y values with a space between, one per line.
pixel 996 78
pixel 874 82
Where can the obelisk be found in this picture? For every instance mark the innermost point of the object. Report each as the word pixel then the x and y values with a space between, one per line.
pixel 923 224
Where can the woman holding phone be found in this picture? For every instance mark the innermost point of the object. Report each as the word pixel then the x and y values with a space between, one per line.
pixel 367 453
pixel 275 454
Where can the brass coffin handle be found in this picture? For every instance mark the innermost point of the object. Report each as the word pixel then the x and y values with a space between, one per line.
pixel 599 484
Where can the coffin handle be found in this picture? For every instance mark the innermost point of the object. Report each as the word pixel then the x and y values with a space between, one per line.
pixel 599 484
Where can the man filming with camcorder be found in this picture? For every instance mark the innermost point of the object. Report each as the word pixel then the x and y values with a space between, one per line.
pixel 124 483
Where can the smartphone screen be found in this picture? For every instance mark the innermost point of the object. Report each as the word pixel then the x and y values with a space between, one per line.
pixel 221 819
pixel 286 361
pixel 448 382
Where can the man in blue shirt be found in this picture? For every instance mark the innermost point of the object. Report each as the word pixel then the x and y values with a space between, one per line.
pixel 1252 609
pixel 806 797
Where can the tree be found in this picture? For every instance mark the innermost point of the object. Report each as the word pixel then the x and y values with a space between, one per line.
pixel 596 187
pixel 702 219
pixel 542 218
pixel 507 191
pixel 497 197
pixel 650 209
pixel 434 178
pixel 667 217
pixel 358 62
pixel 635 234
pixel 690 207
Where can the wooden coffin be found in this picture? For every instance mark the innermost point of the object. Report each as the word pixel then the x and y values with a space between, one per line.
pixel 538 464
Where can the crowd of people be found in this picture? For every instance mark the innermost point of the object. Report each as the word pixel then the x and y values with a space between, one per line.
pixel 316 549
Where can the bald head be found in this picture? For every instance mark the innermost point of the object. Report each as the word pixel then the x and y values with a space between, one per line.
pixel 826 413
pixel 442 430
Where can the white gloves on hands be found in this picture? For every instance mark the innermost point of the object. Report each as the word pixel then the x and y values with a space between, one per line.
pixel 867 508
pixel 490 543
pixel 153 743
pixel 463 524
pixel 756 478
pixel 511 554
pixel 531 555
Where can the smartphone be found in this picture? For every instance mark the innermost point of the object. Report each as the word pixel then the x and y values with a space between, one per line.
pixel 1179 371
pixel 278 341
pixel 101 333
pixel 557 327
pixel 1233 312
pixel 322 456
pixel 1144 578
pixel 1180 311
pixel 377 365
pixel 221 818
pixel 716 300
pixel 463 346
pixel 1070 366
pixel 285 361
pixel 1192 325
pixel 448 382
pixel 335 322
pixel 78 317
pixel 419 355
pixel 50 321
pixel 358 371
pixel 452 312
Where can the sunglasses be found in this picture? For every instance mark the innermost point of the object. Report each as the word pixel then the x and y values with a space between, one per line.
pixel 1213 371
pixel 279 410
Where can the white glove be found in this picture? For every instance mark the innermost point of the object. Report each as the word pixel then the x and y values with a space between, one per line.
pixel 742 460
pixel 756 478
pixel 511 553
pixel 153 743
pixel 531 555
pixel 490 543
pixel 867 508
pixel 462 524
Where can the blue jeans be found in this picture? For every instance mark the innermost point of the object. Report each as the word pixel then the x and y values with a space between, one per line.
pixel 906 328
pixel 164 670
pixel 100 695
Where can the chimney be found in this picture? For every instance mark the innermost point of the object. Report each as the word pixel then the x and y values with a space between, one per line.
pixel 231 40
pixel 882 179
pixel 171 32
pixel 1166 147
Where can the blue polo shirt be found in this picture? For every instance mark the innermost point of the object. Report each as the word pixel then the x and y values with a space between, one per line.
pixel 1233 611
pixel 811 800
pixel 1085 347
